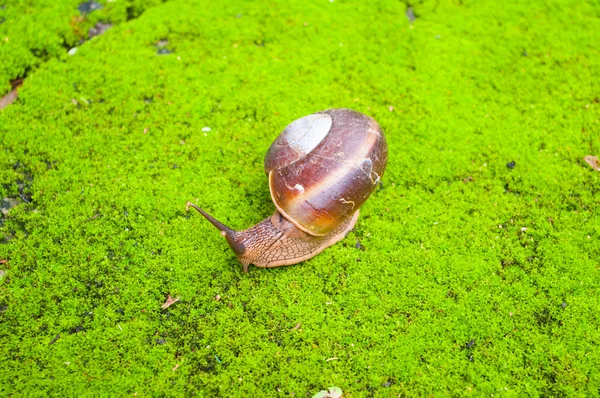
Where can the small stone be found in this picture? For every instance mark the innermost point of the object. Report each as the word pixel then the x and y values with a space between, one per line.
pixel 564 305
pixel 217 297
pixel 7 204
pixel 511 165
pixel 72 51
pixel 410 14
pixel 206 129
pixel 161 341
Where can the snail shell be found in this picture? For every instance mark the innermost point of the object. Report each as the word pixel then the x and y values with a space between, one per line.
pixel 321 169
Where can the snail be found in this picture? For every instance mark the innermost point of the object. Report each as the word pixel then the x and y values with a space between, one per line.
pixel 321 169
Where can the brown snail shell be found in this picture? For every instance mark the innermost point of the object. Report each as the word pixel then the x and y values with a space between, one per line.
pixel 321 169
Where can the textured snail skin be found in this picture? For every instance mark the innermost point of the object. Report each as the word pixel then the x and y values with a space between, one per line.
pixel 275 241
pixel 321 169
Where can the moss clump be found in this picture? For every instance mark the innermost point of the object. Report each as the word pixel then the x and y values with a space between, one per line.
pixel 32 33
pixel 476 278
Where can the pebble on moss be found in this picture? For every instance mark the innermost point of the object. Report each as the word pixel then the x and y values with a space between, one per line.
pixel 410 14
pixel 161 45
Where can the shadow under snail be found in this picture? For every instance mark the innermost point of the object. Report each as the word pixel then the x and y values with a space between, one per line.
pixel 321 169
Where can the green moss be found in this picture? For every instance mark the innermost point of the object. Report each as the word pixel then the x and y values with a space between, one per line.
pixel 32 33
pixel 476 279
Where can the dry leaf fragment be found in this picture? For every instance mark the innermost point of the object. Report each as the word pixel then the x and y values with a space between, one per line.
pixel 295 327
pixel 176 367
pixel 8 98
pixel 169 302
pixel 592 161
pixel 92 218
pixel 3 261
pixel 332 392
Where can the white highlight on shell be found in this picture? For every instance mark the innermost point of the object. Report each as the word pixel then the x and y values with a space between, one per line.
pixel 304 134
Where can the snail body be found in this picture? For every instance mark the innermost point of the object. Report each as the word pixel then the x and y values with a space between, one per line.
pixel 321 169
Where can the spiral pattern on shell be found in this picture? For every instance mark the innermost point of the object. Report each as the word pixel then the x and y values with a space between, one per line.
pixel 324 166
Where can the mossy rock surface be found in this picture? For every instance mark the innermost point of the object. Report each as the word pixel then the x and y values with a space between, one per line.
pixel 473 270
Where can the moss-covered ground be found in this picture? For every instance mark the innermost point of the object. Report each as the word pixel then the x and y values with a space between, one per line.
pixel 473 269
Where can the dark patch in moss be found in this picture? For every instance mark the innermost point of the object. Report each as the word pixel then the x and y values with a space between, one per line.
pixel 54 340
pixel 88 7
pixel 359 245
pixel 98 29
